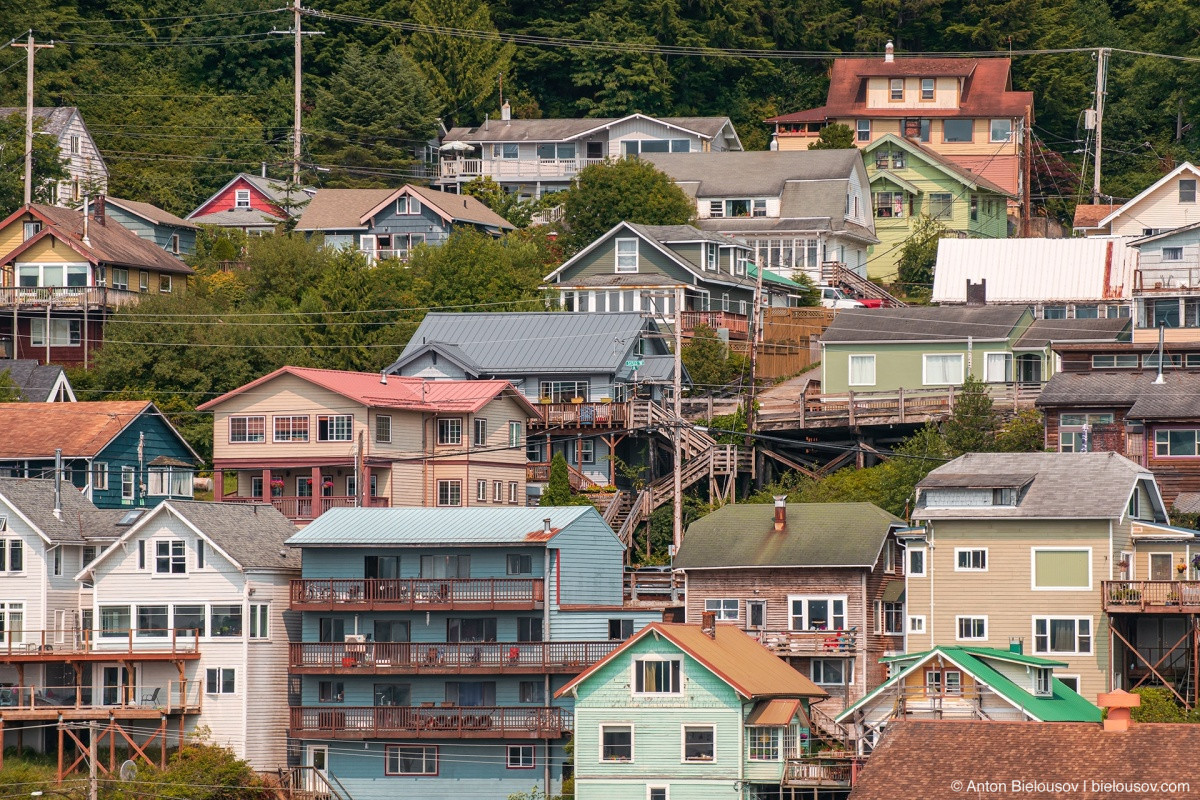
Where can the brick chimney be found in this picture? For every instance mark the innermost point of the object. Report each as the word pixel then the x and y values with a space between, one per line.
pixel 98 210
pixel 1120 705
pixel 708 623
pixel 780 512
pixel 977 292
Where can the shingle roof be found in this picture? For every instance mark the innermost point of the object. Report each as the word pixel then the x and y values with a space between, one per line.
pixel 53 119
pixel 551 130
pixel 443 527
pixel 816 535
pixel 34 430
pixel 1178 397
pixel 253 534
pixel 923 323
pixel 1075 485
pixel 462 207
pixel 934 157
pixel 34 498
pixel 942 759
pixel 1088 215
pixel 1044 331
pixel 35 381
pixel 756 173
pixel 151 212
pixel 398 392
pixel 340 209
pixel 1098 389
pixel 239 218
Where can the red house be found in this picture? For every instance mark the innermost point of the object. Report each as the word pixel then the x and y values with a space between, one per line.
pixel 251 203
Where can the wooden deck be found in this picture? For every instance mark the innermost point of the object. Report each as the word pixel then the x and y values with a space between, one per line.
pixel 79 645
pixel 430 722
pixel 416 594
pixel 1151 597
pixel 406 658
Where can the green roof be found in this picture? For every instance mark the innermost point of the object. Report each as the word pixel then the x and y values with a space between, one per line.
pixel 774 277
pixel 816 535
pixel 1064 705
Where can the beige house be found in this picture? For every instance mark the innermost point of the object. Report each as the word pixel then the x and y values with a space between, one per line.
pixel 1018 547
pixel 307 440
pixel 1168 203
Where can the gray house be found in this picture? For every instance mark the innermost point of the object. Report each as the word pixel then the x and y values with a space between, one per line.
pixel 38 383
pixel 86 171
pixel 580 370
pixel 171 233
pixel 389 223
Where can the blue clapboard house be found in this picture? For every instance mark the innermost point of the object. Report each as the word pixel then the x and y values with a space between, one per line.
pixel 433 641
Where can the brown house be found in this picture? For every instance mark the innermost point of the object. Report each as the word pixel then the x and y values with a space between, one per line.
pixel 820 584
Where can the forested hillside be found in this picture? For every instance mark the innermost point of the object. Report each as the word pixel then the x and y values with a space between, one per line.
pixel 178 103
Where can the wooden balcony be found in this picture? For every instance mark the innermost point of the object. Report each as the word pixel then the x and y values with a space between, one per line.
pixel 738 325
pixel 84 645
pixel 150 700
pixel 417 594
pixel 1151 597
pixel 306 509
pixel 653 586
pixel 429 722
pixel 401 658
pixel 539 472
pixel 513 168
pixel 586 416
pixel 829 769
pixel 68 298
pixel 826 644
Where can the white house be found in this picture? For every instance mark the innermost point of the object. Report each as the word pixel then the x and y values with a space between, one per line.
pixel 86 171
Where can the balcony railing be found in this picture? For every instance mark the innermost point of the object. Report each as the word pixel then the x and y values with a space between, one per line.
pixel 56 645
pixel 429 722
pixel 309 508
pixel 500 168
pixel 401 657
pixel 169 697
pixel 396 594
pixel 539 472
pixel 1157 597
pixel 817 771
pixel 823 643
pixel 738 325
pixel 581 415
pixel 66 297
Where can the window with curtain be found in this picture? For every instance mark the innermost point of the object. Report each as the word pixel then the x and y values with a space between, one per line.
pixel 943 369
pixel 657 676
pixel 998 368
pixel 862 370
pixel 1066 635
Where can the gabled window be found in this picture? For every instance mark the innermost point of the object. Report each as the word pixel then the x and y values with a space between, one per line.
pixel 408 205
pixel 1043 681
pixel 627 255
pixel 170 557
pixel 241 198
pixel 1187 190
pixel 657 676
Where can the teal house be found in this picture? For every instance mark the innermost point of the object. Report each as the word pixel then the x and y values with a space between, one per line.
pixel 118 454
pixel 431 642
pixel 692 712
pixel 171 233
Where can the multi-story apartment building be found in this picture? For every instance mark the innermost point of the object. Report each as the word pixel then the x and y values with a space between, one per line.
pixel 433 640
pixel 307 440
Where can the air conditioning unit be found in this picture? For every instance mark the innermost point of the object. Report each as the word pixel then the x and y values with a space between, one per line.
pixel 355 638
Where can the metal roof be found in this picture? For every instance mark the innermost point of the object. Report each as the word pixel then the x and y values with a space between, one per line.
pixel 440 527
pixel 923 324
pixel 1095 269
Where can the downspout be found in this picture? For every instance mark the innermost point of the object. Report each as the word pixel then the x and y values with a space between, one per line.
pixel 867 631
pixel 545 638
pixel 929 566
pixel 741 784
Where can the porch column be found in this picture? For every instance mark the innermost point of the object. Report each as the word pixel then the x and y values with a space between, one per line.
pixel 218 485
pixel 317 493
pixel 364 489
pixel 266 487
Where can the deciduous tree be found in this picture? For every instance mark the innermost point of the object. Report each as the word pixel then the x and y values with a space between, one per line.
pixel 626 190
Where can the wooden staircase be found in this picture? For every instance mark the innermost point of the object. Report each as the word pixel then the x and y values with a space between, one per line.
pixel 836 274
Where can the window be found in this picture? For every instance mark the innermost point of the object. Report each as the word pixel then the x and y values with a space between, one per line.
pixel 616 743
pixel 481 491
pixel 120 279
pixel 56 566
pixel 260 627
pixel 335 427
pixel 1061 569
pixel 942 369
pixel 711 254
pixel 941 205
pixel 529 629
pixel 1175 442
pixel 519 564
pixel 392 694
pixel 114 621
pixel 127 483
pixel 512 492
pixel 973 208
pixel 620 629
pixel 627 255
pixel 445 566
pixel 331 691
pixel 916 562
pixel 943 682
pixel 863 130
pixel 724 609
pixel 817 613
pixel 383 428
pixel 244 430
pixel 1043 681
pixel 889 205
pixel 1001 130
pixel 699 743
pixel 408 205
pixel 896 89
pixel 190 621
pixel 1062 635
pixel 480 432
pixel 531 692
pixel 917 129
pixel 12 623
pixel 971 629
pixel 200 553
pixel 497 491
pixel 241 198
pixel 506 151
pixel 12 555
pixel 381 567
pixel 916 624
pixel 31 229
pixel 1160 566
pixel 926 88
pixel 410 760
pixel 291 429
pixel 763 744
pixel 1172 254
pixel 331 629
pixel 449 493
pixel 481 629
pixel 1070 681
pixel 1119 361
pixel 63 332
pixel 520 756
pixel 560 392
pixel 515 430
pixel 169 558
pixel 1074 429
pixel 450 431
pixel 219 680
pixel 862 370
pixel 174 247
pixel 970 560
pixel 998 368
pixel 958 130
pixel 831 671
pixel 657 676
pixel 1169 360
pixel 471 694
pixel 893 618
pixel 226 621
pixel 164 284
pixel 1187 191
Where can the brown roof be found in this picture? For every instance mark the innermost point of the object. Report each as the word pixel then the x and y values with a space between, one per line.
pixel 777 713
pixel 951 759
pixel 751 669
pixel 985 89
pixel 1088 215
pixel 34 430
pixel 462 208
pixel 340 209
pixel 152 213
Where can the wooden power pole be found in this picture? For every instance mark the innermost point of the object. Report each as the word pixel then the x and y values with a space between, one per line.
pixel 31 47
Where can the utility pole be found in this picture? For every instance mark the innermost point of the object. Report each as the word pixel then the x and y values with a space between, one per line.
pixel 297 82
pixel 1027 168
pixel 1102 54
pixel 30 49
pixel 93 755
pixel 677 429
pixel 754 330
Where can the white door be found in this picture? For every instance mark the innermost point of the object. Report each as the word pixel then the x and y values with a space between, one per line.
pixel 316 758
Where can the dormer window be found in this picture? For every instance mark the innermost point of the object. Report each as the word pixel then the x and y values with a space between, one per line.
pixel 1043 682
pixel 1004 497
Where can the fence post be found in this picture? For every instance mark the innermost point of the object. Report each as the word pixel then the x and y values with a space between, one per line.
pixel 850 406
pixel 901 402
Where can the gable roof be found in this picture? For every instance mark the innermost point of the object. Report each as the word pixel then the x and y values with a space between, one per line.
pixel 911 759
pixel 53 119
pixel 398 392
pixel 33 500
pixel 1092 269
pixel 460 208
pixel 81 430
pixel 816 535
pixel 341 209
pixel 36 382
pixel 1178 397
pixel 936 159
pixel 1065 485
pixel 750 669
pixel 151 213
pixel 753 173
pixel 273 191
pixel 1129 205
pixel 923 324
pixel 553 130
pixel 1047 331
pixel 441 527
pixel 1167 234
pixel 1088 215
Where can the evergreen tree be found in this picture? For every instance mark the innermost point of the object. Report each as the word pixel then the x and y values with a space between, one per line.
pixel 558 490
pixel 971 427
pixel 837 136
pixel 919 255
pixel 710 363
pixel 48 167
pixel 625 190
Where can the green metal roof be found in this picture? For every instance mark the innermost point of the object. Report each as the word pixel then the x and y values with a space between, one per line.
pixel 774 277
pixel 446 527
pixel 816 535
pixel 986 652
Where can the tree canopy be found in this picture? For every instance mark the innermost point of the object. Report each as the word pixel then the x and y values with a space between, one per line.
pixel 834 137
pixel 48 167
pixel 626 189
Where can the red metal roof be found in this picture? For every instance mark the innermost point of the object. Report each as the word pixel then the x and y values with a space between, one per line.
pixel 399 392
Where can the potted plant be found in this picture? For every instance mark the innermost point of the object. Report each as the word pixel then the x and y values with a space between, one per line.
pixel 276 487
pixel 1196 564
pixel 1180 567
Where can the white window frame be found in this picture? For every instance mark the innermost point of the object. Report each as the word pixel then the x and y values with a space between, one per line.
pixel 1091 636
pixel 777 734
pixel 969 568
pixel 632 743
pixel 1048 674
pixel 931 91
pixel 172 557
pixel 62 333
pixel 958 620
pixel 446 436
pixel 128 483
pixel 76 144
pixel 241 198
pixel 426 761
pixel 651 788
pixel 259 626
pixel 521 761
pixel 720 606
pixel 992 131
pixel 165 284
pixel 481 490
pixel 1006 369
pixel 850 369
pixel 515 429
pixel 1033 551
pixel 618 255
pixel 908 570
pixel 925 368
pixel 862 133
pixel 807 598
pixel 677 691
pixel 1064 677
pixel 683 729
pixel 896 87
pixel 916 624
pixel 512 492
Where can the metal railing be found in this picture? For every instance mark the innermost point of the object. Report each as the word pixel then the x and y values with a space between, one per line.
pixel 514 167
pixel 398 594
pixel 446 722
pixel 66 297
pixel 309 508
pixel 1135 596
pixel 52 644
pixel 451 656
pixel 170 697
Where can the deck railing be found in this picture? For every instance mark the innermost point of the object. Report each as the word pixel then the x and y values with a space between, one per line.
pixel 827 643
pixel 444 722
pixel 582 415
pixel 901 405
pixel 45 645
pixel 818 771
pixel 168 697
pixel 738 325
pixel 653 585
pixel 1159 596
pixel 309 508
pixel 449 656
pixel 514 167
pixel 398 594
pixel 66 297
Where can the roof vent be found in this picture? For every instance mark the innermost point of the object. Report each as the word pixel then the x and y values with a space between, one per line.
pixel 546 525
pixel 383 376
pixel 889 53
pixel 506 111
pixel 780 512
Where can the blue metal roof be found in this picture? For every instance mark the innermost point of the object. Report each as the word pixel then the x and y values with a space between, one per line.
pixel 445 527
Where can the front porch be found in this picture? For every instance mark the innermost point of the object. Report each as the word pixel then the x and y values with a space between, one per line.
pixel 303 493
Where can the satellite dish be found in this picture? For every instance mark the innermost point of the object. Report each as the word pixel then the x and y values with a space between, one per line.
pixel 128 770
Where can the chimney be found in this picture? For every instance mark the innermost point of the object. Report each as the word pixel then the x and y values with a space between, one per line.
pixel 780 512
pixel 708 623
pixel 383 376
pixel 86 242
pixel 889 53
pixel 546 526
pixel 1120 705
pixel 99 212
pixel 1016 645
pixel 264 169
pixel 977 292
pixel 58 483
pixel 487 122
pixel 506 111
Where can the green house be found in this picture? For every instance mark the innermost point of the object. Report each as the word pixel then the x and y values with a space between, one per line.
pixel 693 711
pixel 908 182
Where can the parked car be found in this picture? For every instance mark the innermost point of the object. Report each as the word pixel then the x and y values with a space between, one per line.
pixel 832 297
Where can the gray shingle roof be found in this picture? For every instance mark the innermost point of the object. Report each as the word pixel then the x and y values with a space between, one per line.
pixel 1065 485
pixel 755 173
pixel 151 213
pixel 239 218
pixel 1044 331
pixel 253 534
pixel 34 497
pixel 816 535
pixel 1178 397
pixel 442 527
pixel 923 323
pixel 1096 389
pixel 52 120
pixel 33 380
pixel 551 130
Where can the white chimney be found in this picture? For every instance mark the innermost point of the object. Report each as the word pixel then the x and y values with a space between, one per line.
pixel 58 471
pixel 506 111
pixel 383 376
pixel 889 53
